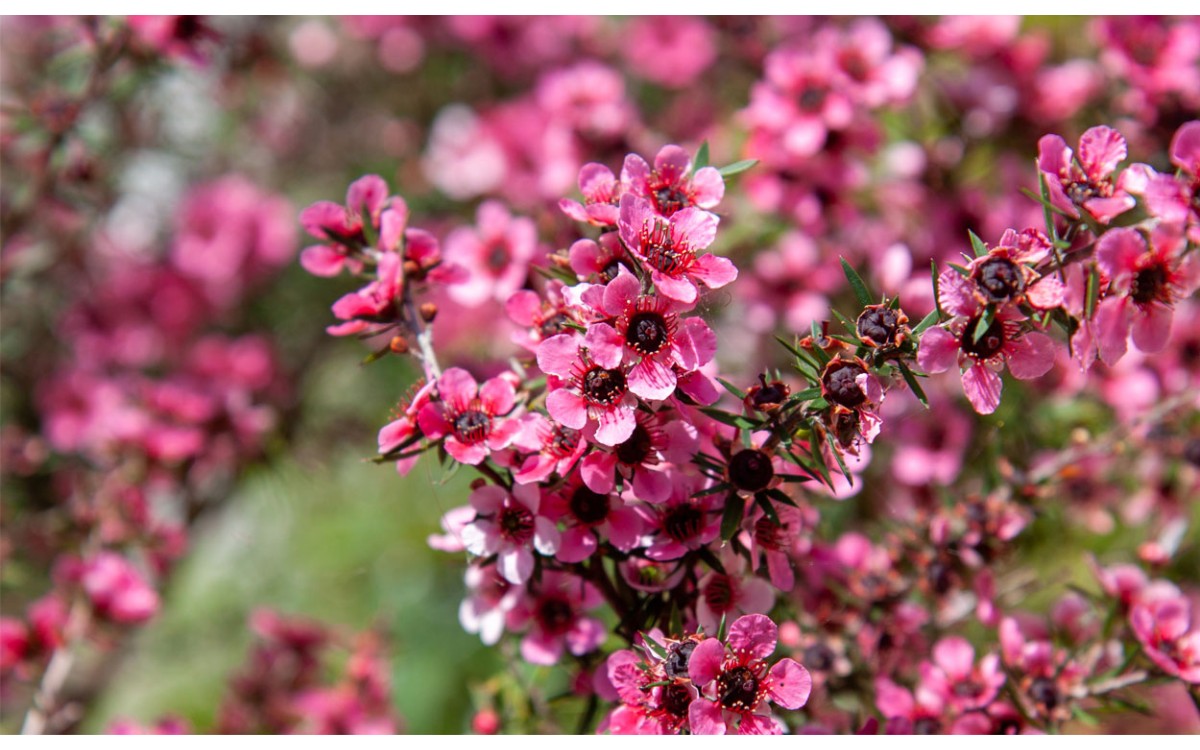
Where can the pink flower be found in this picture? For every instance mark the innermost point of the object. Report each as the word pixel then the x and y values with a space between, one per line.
pixel 595 388
pixel 555 609
pixel 180 37
pixel 658 441
pixel 601 260
pixel 490 598
pixel 589 518
pixel 737 685
pixel 372 309
pixel 1144 283
pixel 542 318
pixel 496 254
pixel 775 542
pixel 602 193
pixel 732 593
pixel 556 447
pixel 402 432
pixel 667 187
pixel 117 590
pixel 669 50
pixel 510 525
pixel 955 678
pixel 683 522
pixel 1028 355
pixel 669 248
pixel 1162 626
pixel 475 419
pixel 648 335
pixel 342 226
pixel 646 707
pixel 1003 277
pixel 908 713
pixel 1088 183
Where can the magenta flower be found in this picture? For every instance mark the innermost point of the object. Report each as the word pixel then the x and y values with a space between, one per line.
pixel 599 260
pixel 595 388
pixel 1088 183
pixel 954 676
pixel 602 193
pixel 683 522
pixel 371 309
pixel 1161 625
pixel 647 707
pixel 667 187
pixel 555 448
pixel 402 431
pixel 732 593
pixel 555 610
pixel 496 254
pixel 342 226
pixel 1028 355
pixel 669 248
pixel 541 318
pixel 1144 283
pixel 775 542
pixel 509 525
pixel 1003 277
pixel 657 441
pixel 906 712
pixel 475 419
pixel 590 517
pixel 736 685
pixel 649 336
pixel 117 590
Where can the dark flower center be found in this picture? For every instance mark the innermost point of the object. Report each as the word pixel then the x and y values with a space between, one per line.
pixel 988 345
pixel 1000 279
pixel 1148 284
pixel 516 524
pixel 678 655
pixel 563 442
pixel 819 657
pixel 611 271
pixel 603 386
pixel 751 470
pixel 647 333
pixel 811 98
pixel 968 689
pixel 939 577
pixel 1191 452
pixel 589 507
pixel 841 387
pixel 555 616
pixel 719 593
pixel 635 450
pixel 1081 191
pixel 676 699
pixel 472 426
pixel 682 523
pixel 553 325
pixel 497 257
pixel 878 324
pixel 738 689
pixel 1044 691
pixel 669 199
pixel 926 725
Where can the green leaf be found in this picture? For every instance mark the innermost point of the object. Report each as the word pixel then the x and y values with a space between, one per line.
pixel 732 388
pixel 707 556
pixel 985 322
pixel 962 270
pixel 735 507
pixel 977 245
pixel 780 496
pixel 1093 293
pixel 807 394
pixel 1046 204
pixel 861 293
pixel 733 420
pixel 761 500
pixel 701 157
pixel 927 322
pixel 819 462
pixel 368 229
pixel 722 487
pixel 913 384
pixel 818 352
pixel 737 167
pixel 937 298
pixel 850 325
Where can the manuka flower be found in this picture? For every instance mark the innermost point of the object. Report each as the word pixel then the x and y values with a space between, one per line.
pixel 595 388
pixel 667 186
pixel 954 677
pixel 553 608
pixel 475 419
pixel 1028 355
pixel 342 226
pixel 648 335
pixel 737 685
pixel 1003 277
pixel 589 518
pixel 1145 280
pixel 1089 183
pixel 668 247
pixel 510 525
pixel 602 193
pixel 372 309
